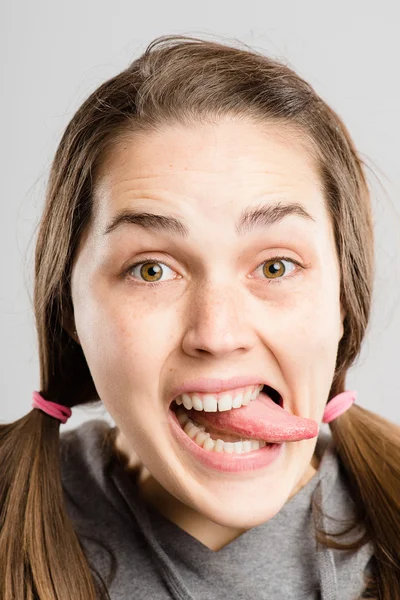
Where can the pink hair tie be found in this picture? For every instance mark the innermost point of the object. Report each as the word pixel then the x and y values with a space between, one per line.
pixel 58 411
pixel 338 405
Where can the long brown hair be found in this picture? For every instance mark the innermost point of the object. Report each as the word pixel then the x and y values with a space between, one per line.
pixel 185 80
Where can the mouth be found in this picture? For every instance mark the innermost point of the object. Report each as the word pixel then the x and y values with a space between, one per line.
pixel 191 413
pixel 226 400
pixel 273 394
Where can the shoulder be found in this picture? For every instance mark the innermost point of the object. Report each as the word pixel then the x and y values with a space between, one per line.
pixel 85 456
pixel 85 449
pixel 101 516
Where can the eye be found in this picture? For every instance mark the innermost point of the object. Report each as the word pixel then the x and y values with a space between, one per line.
pixel 278 267
pixel 149 271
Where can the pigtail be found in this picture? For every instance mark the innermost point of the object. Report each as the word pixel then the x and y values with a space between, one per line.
pixel 369 449
pixel 41 557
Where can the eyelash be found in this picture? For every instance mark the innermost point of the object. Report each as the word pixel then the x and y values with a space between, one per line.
pixel 155 283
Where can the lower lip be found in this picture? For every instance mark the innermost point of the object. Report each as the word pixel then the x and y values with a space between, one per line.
pixel 221 461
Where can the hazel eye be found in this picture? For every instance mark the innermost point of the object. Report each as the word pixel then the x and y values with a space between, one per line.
pixel 276 268
pixel 149 271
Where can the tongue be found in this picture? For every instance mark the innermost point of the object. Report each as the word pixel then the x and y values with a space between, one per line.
pixel 261 419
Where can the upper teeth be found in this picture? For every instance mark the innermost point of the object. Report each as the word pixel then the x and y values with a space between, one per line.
pixel 223 401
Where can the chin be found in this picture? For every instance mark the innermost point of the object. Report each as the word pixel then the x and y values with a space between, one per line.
pixel 241 513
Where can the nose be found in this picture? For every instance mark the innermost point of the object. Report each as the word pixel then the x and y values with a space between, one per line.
pixel 217 322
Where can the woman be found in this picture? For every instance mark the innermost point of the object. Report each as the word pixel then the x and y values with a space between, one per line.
pixel 204 267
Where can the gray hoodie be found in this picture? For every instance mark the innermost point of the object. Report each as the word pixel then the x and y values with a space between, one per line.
pixel 156 560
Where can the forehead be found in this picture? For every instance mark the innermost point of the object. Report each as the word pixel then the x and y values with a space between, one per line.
pixel 210 168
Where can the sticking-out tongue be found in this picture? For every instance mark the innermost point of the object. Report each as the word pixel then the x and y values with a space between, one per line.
pixel 261 419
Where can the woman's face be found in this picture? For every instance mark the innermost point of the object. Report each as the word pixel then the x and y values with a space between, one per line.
pixel 212 303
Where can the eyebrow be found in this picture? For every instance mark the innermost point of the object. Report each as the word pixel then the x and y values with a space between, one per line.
pixel 252 218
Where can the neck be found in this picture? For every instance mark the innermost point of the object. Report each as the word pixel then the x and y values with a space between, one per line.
pixel 212 535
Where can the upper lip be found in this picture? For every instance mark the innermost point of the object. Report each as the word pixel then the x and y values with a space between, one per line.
pixel 210 385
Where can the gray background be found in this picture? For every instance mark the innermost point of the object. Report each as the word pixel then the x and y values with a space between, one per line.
pixel 53 54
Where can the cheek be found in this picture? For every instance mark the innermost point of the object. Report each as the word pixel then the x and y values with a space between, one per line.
pixel 303 338
pixel 314 330
pixel 125 345
pixel 307 319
